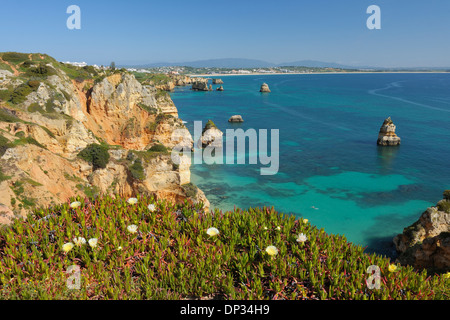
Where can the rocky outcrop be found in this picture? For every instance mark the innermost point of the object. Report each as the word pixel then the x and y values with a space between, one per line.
pixel 264 88
pixel 426 243
pixel 236 118
pixel 217 81
pixel 201 84
pixel 220 88
pixel 63 116
pixel 211 136
pixel 387 136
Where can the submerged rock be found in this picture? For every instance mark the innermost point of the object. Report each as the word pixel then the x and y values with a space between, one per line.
pixel 236 118
pixel 387 136
pixel 264 88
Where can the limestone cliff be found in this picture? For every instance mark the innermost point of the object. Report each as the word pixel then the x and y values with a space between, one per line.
pixel 47 117
pixel 426 243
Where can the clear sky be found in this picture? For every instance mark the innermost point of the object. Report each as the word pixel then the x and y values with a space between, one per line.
pixel 414 33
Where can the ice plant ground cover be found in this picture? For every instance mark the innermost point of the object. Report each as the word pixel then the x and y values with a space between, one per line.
pixel 171 256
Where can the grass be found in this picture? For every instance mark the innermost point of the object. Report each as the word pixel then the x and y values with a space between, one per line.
pixel 172 256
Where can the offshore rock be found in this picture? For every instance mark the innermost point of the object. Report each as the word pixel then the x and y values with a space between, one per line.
pixel 220 88
pixel 236 118
pixel 387 136
pixel 200 84
pixel 217 81
pixel 264 88
pixel 211 136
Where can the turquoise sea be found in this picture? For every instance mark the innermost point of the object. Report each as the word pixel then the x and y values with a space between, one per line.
pixel 331 170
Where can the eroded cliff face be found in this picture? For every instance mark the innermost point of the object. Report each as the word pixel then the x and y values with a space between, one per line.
pixel 426 243
pixel 42 136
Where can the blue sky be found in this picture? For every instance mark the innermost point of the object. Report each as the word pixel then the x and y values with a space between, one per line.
pixel 413 33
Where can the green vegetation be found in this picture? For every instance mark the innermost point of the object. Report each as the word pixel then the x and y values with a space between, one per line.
pixel 14 57
pixel 137 170
pixel 7 116
pixel 173 256
pixel 210 124
pixel 158 148
pixel 447 195
pixel 150 110
pixel 4 145
pixel 21 92
pixel 444 205
pixel 26 140
pixel 190 189
pixel 3 177
pixel 95 154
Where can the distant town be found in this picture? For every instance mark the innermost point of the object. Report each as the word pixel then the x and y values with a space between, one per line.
pixel 185 70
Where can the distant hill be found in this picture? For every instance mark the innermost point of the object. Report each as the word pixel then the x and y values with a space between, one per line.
pixel 318 64
pixel 214 63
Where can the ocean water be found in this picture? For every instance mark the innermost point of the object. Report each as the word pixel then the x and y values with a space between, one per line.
pixel 330 169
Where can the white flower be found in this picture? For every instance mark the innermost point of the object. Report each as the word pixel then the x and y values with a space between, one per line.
pixel 272 250
pixel 212 232
pixel 301 238
pixel 265 228
pixel 132 201
pixel 132 228
pixel 279 228
pixel 79 241
pixel 67 247
pixel 119 248
pixel 75 204
pixel 151 207
pixel 93 242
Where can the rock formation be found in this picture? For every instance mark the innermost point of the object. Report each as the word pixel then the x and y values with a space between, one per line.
pixel 426 243
pixel 217 81
pixel 220 88
pixel 200 84
pixel 264 88
pixel 387 136
pixel 42 135
pixel 236 118
pixel 211 135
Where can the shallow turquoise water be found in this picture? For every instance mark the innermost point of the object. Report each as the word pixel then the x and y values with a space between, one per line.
pixel 331 170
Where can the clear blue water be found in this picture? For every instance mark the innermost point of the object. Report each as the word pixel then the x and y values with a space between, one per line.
pixel 331 170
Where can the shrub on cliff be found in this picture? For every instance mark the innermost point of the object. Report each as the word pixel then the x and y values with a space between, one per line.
pixel 158 148
pixel 447 195
pixel 21 92
pixel 95 154
pixel 137 170
pixel 158 250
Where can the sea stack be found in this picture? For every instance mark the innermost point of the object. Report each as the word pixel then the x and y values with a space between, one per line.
pixel 200 85
pixel 220 88
pixel 211 135
pixel 387 136
pixel 217 81
pixel 236 118
pixel 264 88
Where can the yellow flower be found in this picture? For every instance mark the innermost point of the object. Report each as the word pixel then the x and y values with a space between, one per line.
pixel 447 275
pixel 79 241
pixel 212 232
pixel 75 204
pixel 392 268
pixel 132 201
pixel 67 247
pixel 93 242
pixel 132 228
pixel 305 220
pixel 272 250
